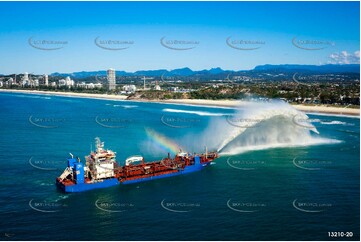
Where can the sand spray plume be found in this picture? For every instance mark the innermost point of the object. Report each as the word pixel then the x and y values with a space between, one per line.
pixel 255 125
pixel 256 115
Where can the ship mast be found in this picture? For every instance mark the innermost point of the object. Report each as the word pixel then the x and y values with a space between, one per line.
pixel 99 145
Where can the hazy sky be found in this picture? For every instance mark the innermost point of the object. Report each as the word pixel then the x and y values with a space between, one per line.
pixel 170 35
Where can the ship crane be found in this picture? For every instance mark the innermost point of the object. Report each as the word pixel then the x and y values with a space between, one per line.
pixel 146 78
pixel 66 173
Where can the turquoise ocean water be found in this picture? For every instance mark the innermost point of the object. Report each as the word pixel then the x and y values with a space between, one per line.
pixel 293 192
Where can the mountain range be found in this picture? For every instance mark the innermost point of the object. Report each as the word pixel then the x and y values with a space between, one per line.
pixel 286 68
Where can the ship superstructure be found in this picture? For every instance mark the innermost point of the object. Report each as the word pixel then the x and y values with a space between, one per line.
pixel 102 170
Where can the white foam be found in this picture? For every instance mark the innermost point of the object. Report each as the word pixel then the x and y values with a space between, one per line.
pixel 328 122
pixel 61 197
pixel 32 96
pixel 333 115
pixel 192 105
pixel 46 184
pixel 200 113
pixel 333 122
pixel 129 106
pixel 123 106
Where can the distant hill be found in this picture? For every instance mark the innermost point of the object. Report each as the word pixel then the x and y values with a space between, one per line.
pixel 149 73
pixel 84 74
pixel 217 72
pixel 181 72
pixel 176 72
pixel 350 68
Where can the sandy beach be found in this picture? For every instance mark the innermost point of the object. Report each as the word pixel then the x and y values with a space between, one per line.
pixel 201 102
pixel 69 94
pixel 235 103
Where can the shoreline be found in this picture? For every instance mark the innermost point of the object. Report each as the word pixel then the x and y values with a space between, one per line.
pixel 69 94
pixel 196 102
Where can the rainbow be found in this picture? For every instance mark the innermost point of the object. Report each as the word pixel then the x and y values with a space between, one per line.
pixel 163 142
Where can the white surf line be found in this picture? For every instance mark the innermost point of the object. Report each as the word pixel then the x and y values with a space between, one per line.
pixel 200 113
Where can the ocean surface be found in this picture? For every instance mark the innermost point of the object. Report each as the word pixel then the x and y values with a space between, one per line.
pixel 276 178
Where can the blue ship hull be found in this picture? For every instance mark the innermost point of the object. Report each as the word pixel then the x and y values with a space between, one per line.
pixel 89 186
pixel 114 181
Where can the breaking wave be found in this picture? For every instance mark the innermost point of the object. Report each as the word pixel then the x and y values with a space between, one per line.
pixel 129 106
pixel 334 122
pixel 123 106
pixel 330 122
pixel 200 113
pixel 32 96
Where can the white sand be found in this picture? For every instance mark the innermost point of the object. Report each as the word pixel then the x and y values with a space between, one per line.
pixel 69 94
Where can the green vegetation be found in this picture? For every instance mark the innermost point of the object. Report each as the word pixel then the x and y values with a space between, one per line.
pixel 156 95
pixel 216 93
pixel 338 91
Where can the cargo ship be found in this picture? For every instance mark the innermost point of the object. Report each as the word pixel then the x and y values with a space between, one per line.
pixel 102 170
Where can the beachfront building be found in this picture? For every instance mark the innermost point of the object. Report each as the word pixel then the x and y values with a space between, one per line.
pixel 174 89
pixel 66 82
pixel 25 83
pixel 11 81
pixel 26 76
pixel 111 79
pixel 46 80
pixel 35 83
pixel 157 87
pixel 98 85
pixel 69 82
pixel 89 85
pixel 129 88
